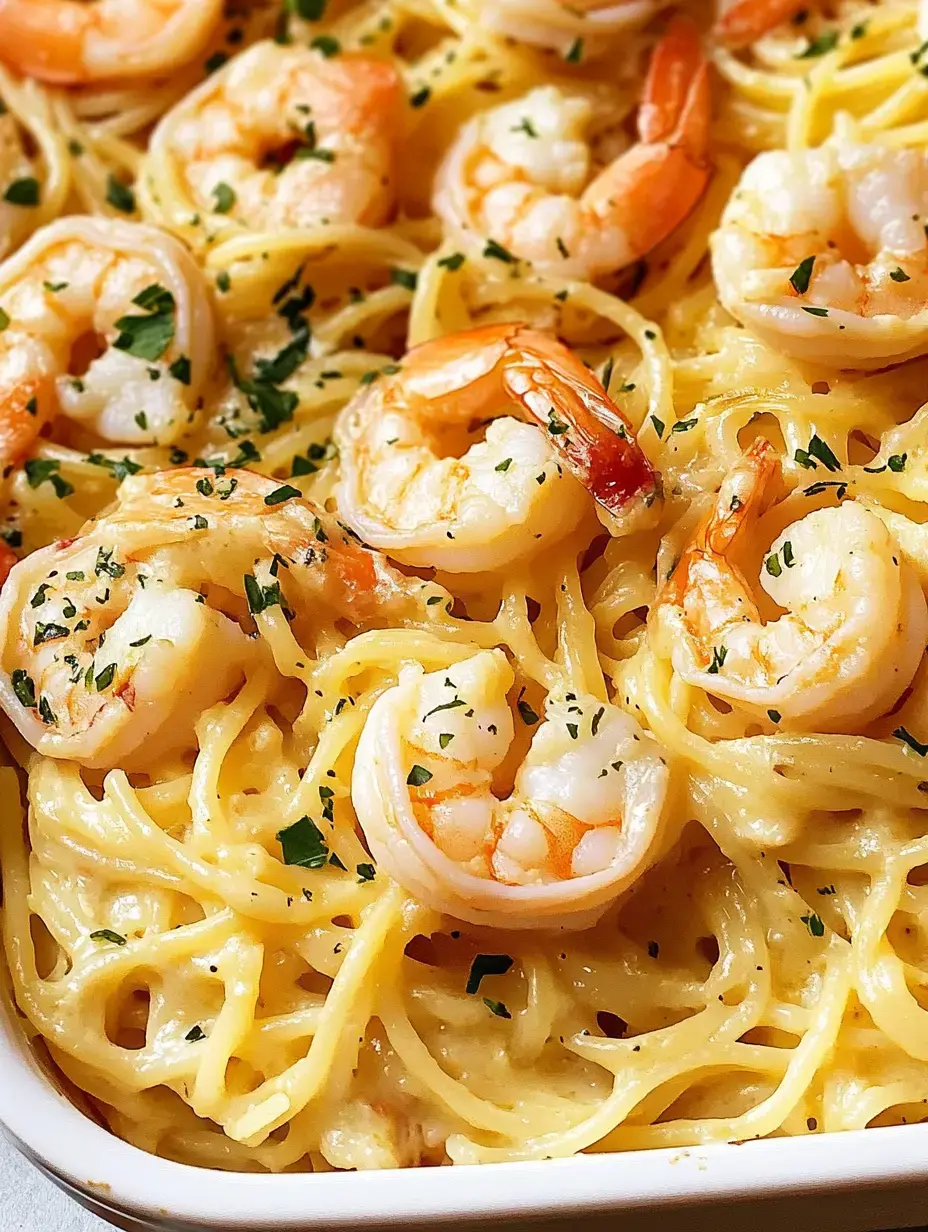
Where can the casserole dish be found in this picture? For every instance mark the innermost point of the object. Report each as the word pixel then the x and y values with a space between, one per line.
pixel 851 1182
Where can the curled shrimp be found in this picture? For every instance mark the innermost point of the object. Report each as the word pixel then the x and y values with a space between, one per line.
pixel 555 438
pixel 70 42
pixel 114 642
pixel 823 253
pixel 557 26
pixel 281 136
pixel 742 22
pixel 519 173
pixel 108 324
pixel 854 622
pixel 584 819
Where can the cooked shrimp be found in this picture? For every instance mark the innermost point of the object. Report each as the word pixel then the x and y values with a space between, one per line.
pixel 109 324
pixel 555 25
pixel 822 253
pixel 554 440
pixel 114 642
pixel 855 620
pixel 742 22
pixel 71 42
pixel 282 137
pixel 519 173
pixel 582 823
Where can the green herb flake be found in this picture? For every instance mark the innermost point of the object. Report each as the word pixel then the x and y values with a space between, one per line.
pixel 284 493
pixel 719 655
pixel 814 924
pixel 404 278
pixel 195 1034
pixel 820 46
pixel 119 195
pixel 801 275
pixel 24 688
pixel 907 738
pixel 498 252
pixel 224 197
pixel 148 337
pixel 418 776
pixel 303 844
pixel 484 965
pixel 25 192
pixel 107 934
pixel 453 261
pixel 366 872
pixel 496 1007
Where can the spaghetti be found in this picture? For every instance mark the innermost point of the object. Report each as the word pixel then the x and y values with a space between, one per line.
pixel 196 930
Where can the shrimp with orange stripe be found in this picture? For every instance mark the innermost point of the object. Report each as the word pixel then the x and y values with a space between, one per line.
pixel 419 483
pixel 105 636
pixel 585 818
pixel 521 173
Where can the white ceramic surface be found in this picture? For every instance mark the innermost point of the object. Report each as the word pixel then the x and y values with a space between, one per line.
pixel 871 1179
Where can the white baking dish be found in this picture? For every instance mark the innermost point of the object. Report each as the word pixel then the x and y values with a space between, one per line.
pixel 862 1180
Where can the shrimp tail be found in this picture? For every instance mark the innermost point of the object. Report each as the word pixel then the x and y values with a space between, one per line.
pixel 653 187
pixel 745 21
pixel 592 436
pixel 749 489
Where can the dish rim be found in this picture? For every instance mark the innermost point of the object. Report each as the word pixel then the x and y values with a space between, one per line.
pixel 50 1130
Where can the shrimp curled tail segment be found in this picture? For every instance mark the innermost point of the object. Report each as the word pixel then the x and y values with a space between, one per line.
pixel 70 42
pixel 415 485
pixel 114 642
pixel 822 253
pixel 535 197
pixel 585 819
pixel 743 22
pixel 128 287
pixel 854 624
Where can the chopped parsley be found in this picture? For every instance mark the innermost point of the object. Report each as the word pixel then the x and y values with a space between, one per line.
pixel 496 1007
pixel 801 275
pixel 195 1034
pixel 484 965
pixel 284 493
pixel 107 934
pixel 303 844
pixel 498 252
pixel 719 655
pixel 25 191
pixel 907 738
pixel 814 924
pixel 366 872
pixel 120 196
pixel 149 336
pixel 418 776
pixel 224 197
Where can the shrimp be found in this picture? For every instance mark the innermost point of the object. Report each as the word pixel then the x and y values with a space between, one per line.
pixel 281 137
pixel 822 253
pixel 70 42
pixel 554 440
pixel 557 26
pixel 855 621
pixel 583 822
pixel 742 22
pixel 519 172
pixel 107 323
pixel 113 643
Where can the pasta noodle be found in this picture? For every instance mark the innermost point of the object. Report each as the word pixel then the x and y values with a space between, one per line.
pixel 224 1005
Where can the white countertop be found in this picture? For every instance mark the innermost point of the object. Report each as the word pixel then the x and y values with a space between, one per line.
pixel 30 1203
